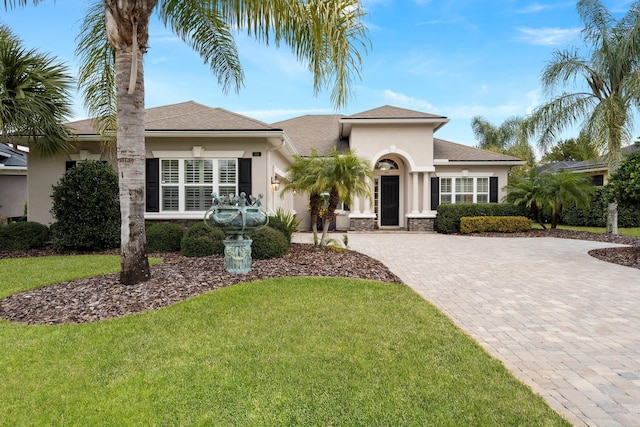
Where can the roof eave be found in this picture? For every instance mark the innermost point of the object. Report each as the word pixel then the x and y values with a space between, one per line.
pixel 347 123
pixel 446 162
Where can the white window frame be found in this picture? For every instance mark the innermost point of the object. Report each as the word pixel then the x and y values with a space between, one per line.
pixel 456 190
pixel 216 183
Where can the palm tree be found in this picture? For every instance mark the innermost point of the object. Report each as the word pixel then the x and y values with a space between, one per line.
pixel 561 189
pixel 610 79
pixel 527 191
pixel 302 177
pixel 343 175
pixel 327 35
pixel 35 94
pixel 510 138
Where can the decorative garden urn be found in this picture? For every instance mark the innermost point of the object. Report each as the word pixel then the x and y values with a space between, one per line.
pixel 236 216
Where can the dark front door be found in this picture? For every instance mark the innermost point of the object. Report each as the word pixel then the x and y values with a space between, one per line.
pixel 390 200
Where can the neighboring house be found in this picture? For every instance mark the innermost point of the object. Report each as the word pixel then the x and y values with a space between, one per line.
pixel 193 150
pixel 13 182
pixel 597 169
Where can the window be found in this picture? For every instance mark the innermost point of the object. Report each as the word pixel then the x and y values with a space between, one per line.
pixel 187 184
pixel 464 190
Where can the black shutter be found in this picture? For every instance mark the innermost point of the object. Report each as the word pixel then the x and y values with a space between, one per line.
pixel 152 178
pixel 493 189
pixel 244 176
pixel 69 164
pixel 435 193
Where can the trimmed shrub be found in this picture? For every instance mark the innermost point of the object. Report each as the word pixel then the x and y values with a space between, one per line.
pixel 24 235
pixel 197 246
pixel 193 244
pixel 596 214
pixel 164 237
pixel 279 225
pixel 86 206
pixel 268 243
pixel 448 218
pixel 497 224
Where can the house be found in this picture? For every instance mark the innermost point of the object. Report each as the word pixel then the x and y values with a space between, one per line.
pixel 597 169
pixel 13 182
pixel 193 149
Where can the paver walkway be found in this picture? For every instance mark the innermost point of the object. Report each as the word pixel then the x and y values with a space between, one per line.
pixel 563 322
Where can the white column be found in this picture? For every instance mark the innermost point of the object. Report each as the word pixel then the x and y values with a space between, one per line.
pixel 414 191
pixel 367 204
pixel 355 208
pixel 426 192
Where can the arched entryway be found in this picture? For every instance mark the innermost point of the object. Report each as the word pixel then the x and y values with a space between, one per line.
pixel 387 191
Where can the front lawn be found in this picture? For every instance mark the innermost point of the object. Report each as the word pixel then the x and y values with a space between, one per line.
pixel 289 351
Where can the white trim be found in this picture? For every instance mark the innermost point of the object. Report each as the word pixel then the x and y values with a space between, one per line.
pixel 362 215
pixel 468 174
pixel 430 214
pixel 189 154
pixel 445 162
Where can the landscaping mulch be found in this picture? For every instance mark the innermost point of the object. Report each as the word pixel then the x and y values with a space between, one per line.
pixel 179 278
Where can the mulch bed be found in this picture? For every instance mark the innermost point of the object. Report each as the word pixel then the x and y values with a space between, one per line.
pixel 179 278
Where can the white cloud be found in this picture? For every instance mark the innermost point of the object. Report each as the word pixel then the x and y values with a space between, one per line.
pixel 548 36
pixel 405 101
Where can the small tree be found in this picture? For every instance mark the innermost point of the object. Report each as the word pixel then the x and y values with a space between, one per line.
pixel 86 208
pixel 343 175
pixel 550 192
pixel 624 184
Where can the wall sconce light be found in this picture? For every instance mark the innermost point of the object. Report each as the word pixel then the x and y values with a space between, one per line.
pixel 275 183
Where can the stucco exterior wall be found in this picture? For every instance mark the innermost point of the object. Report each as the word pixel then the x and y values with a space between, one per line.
pixel 411 141
pixel 499 171
pixel 13 194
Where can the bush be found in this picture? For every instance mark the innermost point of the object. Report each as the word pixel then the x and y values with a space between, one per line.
pixel 285 222
pixel 164 237
pixel 25 235
pixel 268 243
pixel 198 246
pixel 497 224
pixel 448 218
pixel 86 206
pixel 596 214
pixel 194 243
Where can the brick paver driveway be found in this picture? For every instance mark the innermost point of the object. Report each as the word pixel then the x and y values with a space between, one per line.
pixel 566 324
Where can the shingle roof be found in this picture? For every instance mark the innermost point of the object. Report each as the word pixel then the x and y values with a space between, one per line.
pixel 186 116
pixel 314 132
pixel 600 163
pixel 463 153
pixel 11 157
pixel 390 112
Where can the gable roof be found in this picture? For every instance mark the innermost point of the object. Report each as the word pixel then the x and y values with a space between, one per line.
pixel 320 132
pixel 12 158
pixel 186 116
pixel 390 112
pixel 447 151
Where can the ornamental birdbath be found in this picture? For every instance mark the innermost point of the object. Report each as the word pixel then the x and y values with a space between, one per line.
pixel 236 216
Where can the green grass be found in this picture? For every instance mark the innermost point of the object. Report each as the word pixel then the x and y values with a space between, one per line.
pixel 601 230
pixel 294 351
pixel 21 274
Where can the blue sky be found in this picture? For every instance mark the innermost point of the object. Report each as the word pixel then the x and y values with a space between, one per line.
pixel 456 58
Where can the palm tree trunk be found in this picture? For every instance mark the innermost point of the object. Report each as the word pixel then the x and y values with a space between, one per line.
pixel 131 166
pixel 334 199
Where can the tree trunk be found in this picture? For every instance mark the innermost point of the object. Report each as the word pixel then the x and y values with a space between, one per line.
pixel 314 210
pixel 334 199
pixel 612 218
pixel 131 166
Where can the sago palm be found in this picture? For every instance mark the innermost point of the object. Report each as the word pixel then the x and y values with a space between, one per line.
pixel 327 35
pixel 561 189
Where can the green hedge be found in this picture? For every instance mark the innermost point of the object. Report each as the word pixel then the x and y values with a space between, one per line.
pixel 449 215
pixel 23 236
pixel 202 240
pixel 596 214
pixel 268 243
pixel 164 237
pixel 497 224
